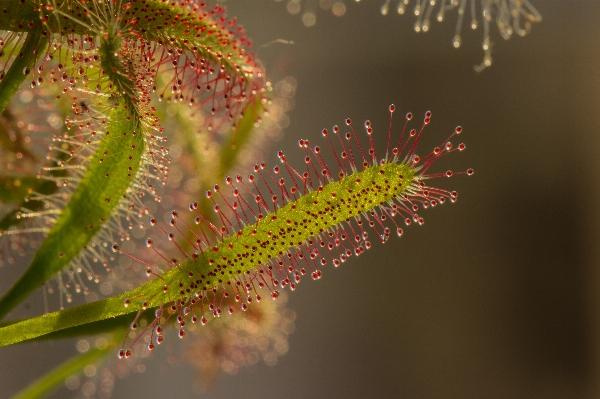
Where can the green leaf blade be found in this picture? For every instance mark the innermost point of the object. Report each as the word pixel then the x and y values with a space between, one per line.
pixel 34 46
pixel 89 207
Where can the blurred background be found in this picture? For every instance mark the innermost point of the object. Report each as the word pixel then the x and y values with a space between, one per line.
pixel 495 296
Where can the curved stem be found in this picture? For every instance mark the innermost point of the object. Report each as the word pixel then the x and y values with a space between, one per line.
pixel 47 383
pixel 32 49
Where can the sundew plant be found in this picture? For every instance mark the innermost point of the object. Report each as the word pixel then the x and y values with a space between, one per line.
pixel 93 95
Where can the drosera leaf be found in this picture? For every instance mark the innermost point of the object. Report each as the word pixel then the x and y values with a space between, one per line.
pixel 51 381
pixel 17 189
pixel 230 151
pixel 111 325
pixel 314 219
pixel 90 205
pixel 238 137
pixel 14 188
pixel 75 316
pixel 34 46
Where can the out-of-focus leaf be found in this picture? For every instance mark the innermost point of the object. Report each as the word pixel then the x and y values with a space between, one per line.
pixel 14 188
pixel 49 382
pixel 90 205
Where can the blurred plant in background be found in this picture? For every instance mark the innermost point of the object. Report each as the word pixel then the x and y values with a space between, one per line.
pixel 510 16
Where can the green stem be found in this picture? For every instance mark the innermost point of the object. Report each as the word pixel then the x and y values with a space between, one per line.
pixel 114 325
pixel 72 317
pixel 49 382
pixel 32 49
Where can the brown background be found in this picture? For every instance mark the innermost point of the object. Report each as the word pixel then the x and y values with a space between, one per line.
pixel 496 296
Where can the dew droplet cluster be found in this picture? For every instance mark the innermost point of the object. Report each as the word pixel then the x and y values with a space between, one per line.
pixel 509 16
